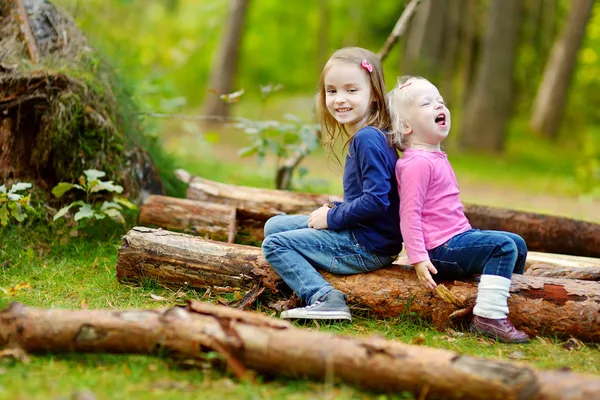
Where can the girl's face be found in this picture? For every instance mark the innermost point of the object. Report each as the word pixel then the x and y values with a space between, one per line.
pixel 427 116
pixel 348 94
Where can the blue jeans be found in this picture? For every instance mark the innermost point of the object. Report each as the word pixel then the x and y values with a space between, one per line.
pixel 480 252
pixel 295 251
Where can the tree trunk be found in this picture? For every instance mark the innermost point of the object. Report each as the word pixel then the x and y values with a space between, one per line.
pixel 225 66
pixel 274 347
pixel 470 47
pixel 489 107
pixel 543 306
pixel 554 271
pixel 449 51
pixel 545 233
pixel 423 52
pixel 551 98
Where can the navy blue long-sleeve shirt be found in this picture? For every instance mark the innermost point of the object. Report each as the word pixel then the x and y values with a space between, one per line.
pixel 371 204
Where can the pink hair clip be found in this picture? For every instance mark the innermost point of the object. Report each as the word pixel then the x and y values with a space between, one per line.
pixel 366 65
pixel 405 85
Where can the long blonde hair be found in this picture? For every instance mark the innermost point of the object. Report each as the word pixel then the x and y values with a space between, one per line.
pixel 399 101
pixel 379 115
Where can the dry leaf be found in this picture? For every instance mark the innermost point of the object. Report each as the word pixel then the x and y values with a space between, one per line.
pixel 156 297
pixel 13 291
pixel 83 304
pixel 573 344
pixel 16 354
pixel 420 339
pixel 237 295
pixel 516 355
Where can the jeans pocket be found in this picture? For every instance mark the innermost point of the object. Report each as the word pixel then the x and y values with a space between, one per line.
pixel 348 264
pixel 447 269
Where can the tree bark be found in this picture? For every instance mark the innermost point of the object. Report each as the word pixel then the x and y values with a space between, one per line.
pixel 270 346
pixel 489 106
pixel 553 271
pixel 544 233
pixel 552 94
pixel 538 305
pixel 225 66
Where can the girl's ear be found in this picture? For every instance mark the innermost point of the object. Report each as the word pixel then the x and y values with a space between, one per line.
pixel 405 128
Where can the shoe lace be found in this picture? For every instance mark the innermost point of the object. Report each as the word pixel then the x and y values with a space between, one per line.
pixel 312 305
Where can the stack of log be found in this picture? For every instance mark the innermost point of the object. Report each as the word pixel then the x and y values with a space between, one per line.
pixel 217 222
pixel 219 226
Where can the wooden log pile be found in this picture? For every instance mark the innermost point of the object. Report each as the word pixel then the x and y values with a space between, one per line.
pixel 248 340
pixel 539 305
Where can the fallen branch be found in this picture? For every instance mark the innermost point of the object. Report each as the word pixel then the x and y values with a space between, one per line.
pixel 540 306
pixel 32 48
pixel 543 233
pixel 398 30
pixel 248 340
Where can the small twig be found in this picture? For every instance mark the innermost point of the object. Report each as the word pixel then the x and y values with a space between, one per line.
pixel 399 29
pixel 32 48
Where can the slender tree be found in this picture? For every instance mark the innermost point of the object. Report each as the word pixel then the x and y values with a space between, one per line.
pixel 490 103
pixel 225 65
pixel 423 54
pixel 551 99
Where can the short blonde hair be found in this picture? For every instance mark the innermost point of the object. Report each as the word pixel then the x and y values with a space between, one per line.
pixel 379 115
pixel 399 101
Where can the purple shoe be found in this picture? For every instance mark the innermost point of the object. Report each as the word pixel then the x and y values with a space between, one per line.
pixel 500 329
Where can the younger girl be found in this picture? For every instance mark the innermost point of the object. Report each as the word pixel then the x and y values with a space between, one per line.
pixel 438 237
pixel 357 235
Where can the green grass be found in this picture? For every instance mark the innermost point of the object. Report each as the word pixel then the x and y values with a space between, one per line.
pixel 81 274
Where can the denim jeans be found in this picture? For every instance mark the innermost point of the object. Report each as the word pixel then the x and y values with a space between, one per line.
pixel 480 252
pixel 295 251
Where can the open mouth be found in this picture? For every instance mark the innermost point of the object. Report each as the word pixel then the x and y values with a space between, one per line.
pixel 441 120
pixel 343 110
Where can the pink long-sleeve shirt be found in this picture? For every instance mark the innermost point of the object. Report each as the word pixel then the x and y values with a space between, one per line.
pixel 430 208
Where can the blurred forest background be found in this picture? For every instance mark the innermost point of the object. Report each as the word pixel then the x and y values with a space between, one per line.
pixel 521 78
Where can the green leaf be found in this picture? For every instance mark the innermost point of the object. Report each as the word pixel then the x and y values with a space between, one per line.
pixel 109 204
pixel 17 187
pixel 247 151
pixel 4 216
pixel 84 212
pixel 108 186
pixel 62 188
pixel 125 203
pixel 116 215
pixel 93 174
pixel 62 212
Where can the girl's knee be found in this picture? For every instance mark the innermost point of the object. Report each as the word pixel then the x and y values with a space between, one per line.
pixel 520 243
pixel 271 226
pixel 269 244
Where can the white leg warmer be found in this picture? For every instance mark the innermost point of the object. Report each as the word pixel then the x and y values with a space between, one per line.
pixel 492 297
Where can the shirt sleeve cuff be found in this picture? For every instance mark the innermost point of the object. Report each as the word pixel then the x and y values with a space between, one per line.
pixel 417 258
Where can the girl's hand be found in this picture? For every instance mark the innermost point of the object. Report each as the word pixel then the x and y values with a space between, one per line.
pixel 424 270
pixel 318 218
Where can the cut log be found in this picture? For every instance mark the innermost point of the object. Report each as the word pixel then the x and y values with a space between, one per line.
pixel 543 233
pixel 539 306
pixel 209 220
pixel 223 222
pixel 250 340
